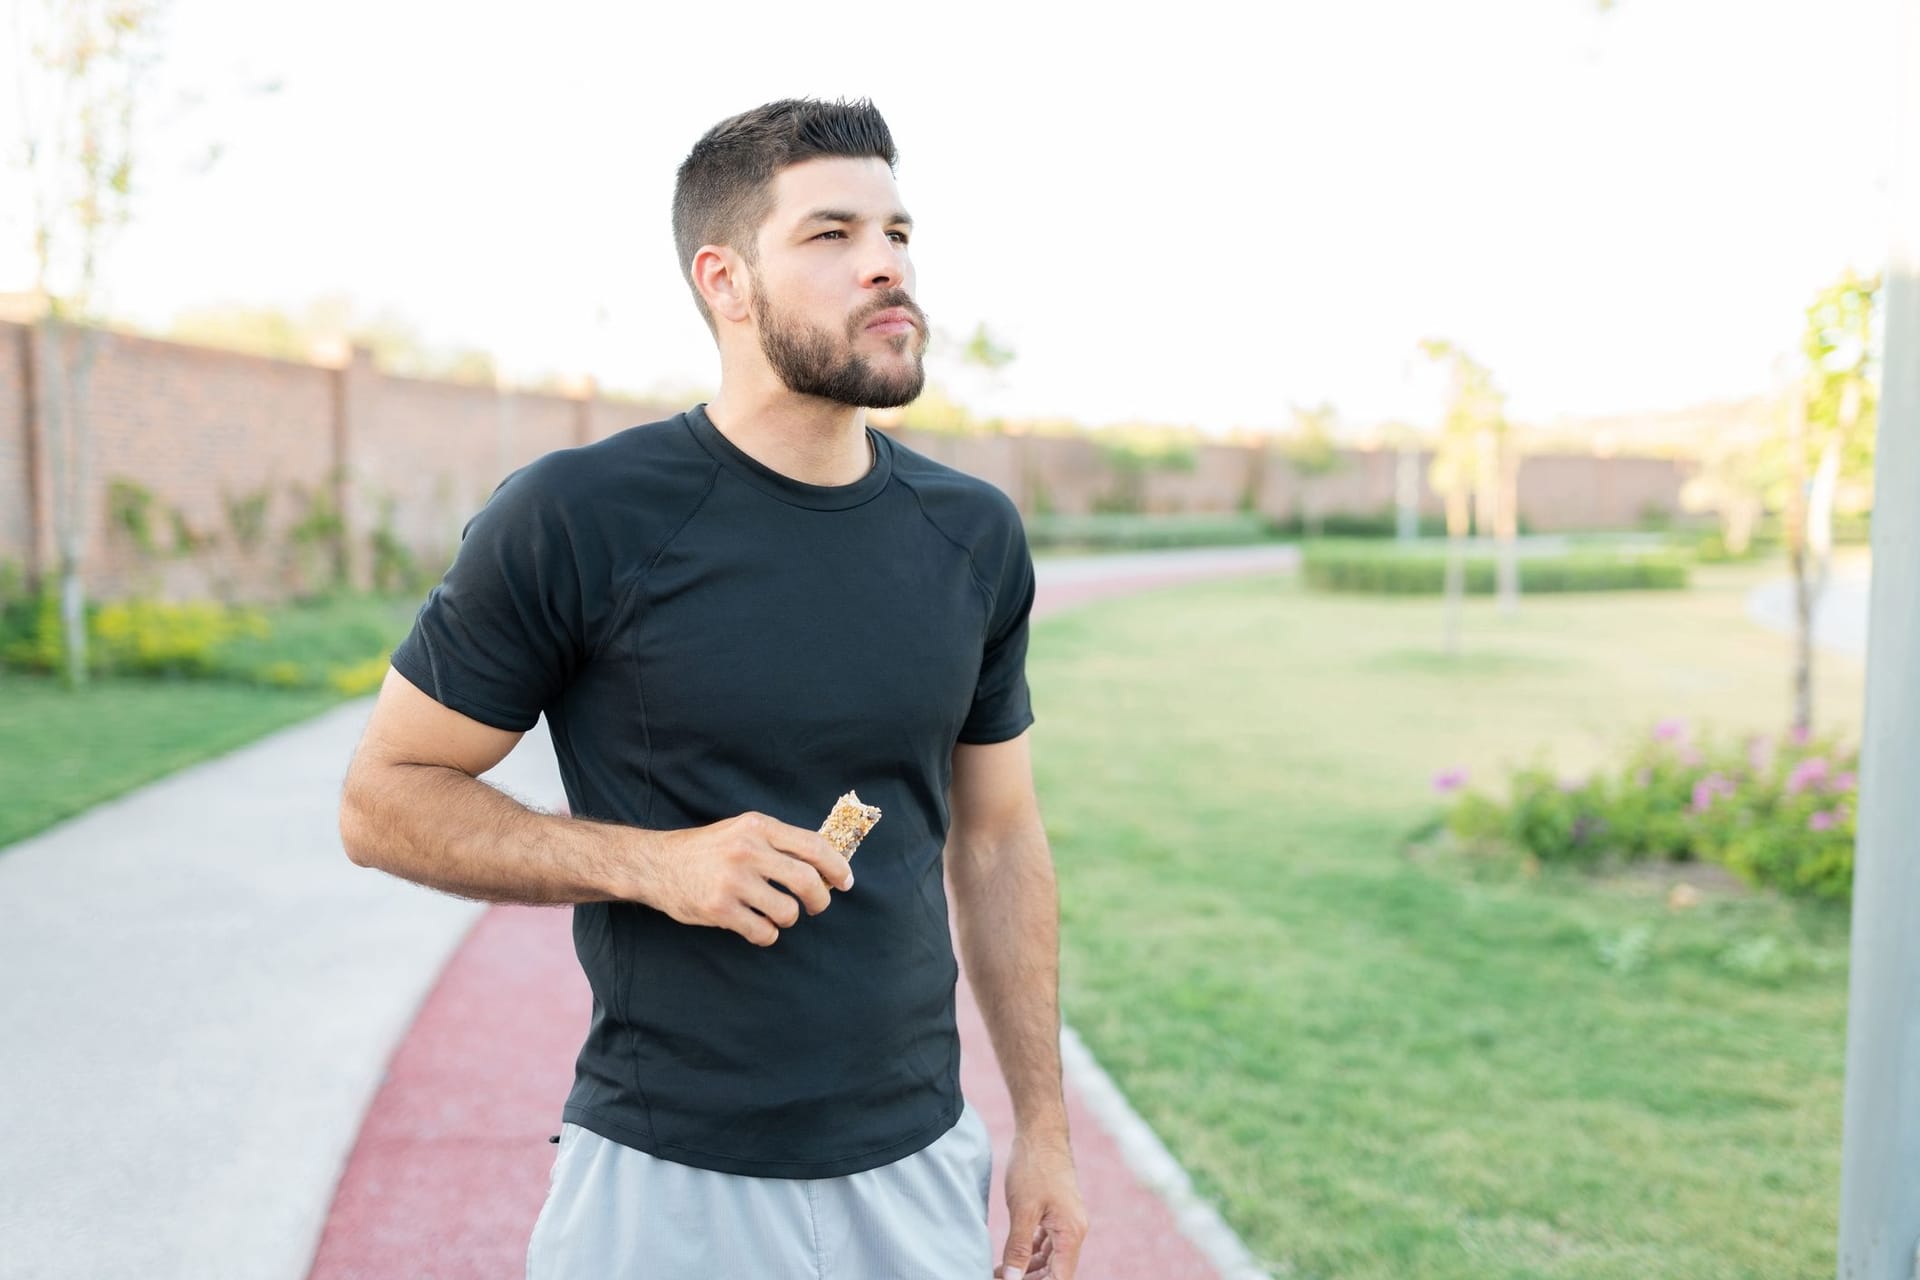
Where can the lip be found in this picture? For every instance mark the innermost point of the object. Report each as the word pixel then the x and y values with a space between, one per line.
pixel 891 321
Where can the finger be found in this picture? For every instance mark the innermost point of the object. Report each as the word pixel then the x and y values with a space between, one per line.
pixel 1019 1247
pixel 1042 1250
pixel 752 926
pixel 804 882
pixel 813 849
pixel 1066 1259
pixel 776 906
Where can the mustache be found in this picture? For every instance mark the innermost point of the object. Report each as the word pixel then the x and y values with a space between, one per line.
pixel 887 301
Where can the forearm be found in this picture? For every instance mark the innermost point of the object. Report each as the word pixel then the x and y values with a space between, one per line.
pixel 444 829
pixel 1008 914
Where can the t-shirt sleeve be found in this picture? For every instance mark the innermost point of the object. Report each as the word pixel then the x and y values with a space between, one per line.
pixel 1002 706
pixel 505 630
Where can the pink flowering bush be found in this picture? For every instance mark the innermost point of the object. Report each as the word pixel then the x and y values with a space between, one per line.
pixel 1777 812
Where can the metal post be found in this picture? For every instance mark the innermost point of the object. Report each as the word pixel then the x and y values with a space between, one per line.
pixel 1880 1152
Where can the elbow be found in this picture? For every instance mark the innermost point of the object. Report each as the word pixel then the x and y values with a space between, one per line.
pixel 353 831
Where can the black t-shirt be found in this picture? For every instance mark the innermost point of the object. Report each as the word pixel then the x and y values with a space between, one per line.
pixel 708 637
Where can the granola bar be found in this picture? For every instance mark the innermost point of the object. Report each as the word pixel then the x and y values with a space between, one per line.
pixel 849 823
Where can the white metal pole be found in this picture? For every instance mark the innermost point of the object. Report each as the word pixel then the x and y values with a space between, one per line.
pixel 1880 1150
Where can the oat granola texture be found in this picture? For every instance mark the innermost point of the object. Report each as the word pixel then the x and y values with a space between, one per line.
pixel 849 823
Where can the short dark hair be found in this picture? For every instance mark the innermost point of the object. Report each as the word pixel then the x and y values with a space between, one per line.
pixel 724 190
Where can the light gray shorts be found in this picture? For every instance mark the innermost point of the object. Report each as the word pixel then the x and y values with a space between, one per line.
pixel 614 1213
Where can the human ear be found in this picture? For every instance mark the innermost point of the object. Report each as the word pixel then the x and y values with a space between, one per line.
pixel 721 278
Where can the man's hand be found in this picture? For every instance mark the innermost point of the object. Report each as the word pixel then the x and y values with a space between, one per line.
pixel 723 875
pixel 1049 1222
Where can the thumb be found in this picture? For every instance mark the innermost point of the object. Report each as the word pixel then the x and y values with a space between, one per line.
pixel 1019 1250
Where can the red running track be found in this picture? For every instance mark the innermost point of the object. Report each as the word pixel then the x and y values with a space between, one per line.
pixel 451 1165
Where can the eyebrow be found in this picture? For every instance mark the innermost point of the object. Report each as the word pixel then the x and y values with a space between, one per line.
pixel 898 218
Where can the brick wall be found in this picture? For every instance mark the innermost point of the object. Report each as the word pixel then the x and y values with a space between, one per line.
pixel 200 429
pixel 1072 476
pixel 16 459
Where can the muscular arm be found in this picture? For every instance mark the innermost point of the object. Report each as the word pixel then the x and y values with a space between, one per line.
pixel 1009 919
pixel 413 805
pixel 1008 914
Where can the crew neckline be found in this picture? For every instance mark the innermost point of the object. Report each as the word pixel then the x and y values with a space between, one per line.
pixel 817 497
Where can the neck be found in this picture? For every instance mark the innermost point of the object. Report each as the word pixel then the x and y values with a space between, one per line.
pixel 803 438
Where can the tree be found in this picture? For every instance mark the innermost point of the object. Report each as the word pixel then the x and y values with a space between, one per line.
pixel 1730 480
pixel 397 344
pixel 1406 480
pixel 1475 416
pixel 1506 520
pixel 983 351
pixel 79 74
pixel 1831 413
pixel 1841 347
pixel 1313 454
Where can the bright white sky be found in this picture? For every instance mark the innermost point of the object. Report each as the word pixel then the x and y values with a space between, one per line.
pixel 1200 214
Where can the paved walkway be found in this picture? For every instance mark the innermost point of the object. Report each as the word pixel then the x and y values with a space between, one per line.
pixel 205 996
pixel 1839 616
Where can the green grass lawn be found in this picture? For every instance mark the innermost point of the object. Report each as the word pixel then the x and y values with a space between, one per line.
pixel 61 753
pixel 1378 1064
pixel 1387 1065
pixel 67 752
pixel 339 630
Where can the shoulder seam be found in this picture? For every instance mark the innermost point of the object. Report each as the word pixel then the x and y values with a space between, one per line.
pixel 973 567
pixel 624 610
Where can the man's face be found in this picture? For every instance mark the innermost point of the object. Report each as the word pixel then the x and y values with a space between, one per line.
pixel 833 289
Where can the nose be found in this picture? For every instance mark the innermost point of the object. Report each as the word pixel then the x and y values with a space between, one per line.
pixel 884 264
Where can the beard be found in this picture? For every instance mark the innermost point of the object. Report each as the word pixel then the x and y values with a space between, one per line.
pixel 812 362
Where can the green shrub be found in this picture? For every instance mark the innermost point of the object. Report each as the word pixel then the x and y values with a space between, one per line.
pixel 1555 820
pixel 133 637
pixel 1374 526
pixel 151 637
pixel 1476 817
pixel 1769 538
pixel 1124 532
pixel 1711 547
pixel 13 584
pixel 360 677
pixel 1423 571
pixel 32 635
pixel 282 675
pixel 1776 813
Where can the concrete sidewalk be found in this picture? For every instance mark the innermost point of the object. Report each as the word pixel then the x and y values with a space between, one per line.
pixel 1839 615
pixel 202 995
pixel 205 995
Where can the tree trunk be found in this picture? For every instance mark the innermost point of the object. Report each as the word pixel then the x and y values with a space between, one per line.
pixel 1507 526
pixel 1457 517
pixel 1826 481
pixel 1486 484
pixel 73 621
pixel 1797 559
pixel 1738 517
pixel 63 399
pixel 1407 493
pixel 1826 478
pixel 1253 492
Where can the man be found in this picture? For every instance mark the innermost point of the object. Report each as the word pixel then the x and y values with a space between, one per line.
pixel 729 619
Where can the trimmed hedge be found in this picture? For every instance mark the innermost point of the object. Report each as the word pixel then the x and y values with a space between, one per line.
pixel 1379 524
pixel 1127 532
pixel 1386 571
pixel 201 639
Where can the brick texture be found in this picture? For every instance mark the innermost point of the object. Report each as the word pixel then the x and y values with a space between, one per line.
pixel 201 430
